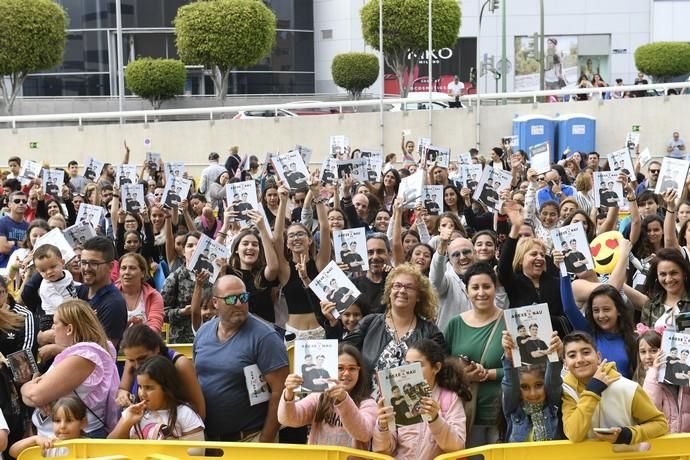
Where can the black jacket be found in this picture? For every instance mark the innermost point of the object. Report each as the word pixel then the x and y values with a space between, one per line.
pixel 371 337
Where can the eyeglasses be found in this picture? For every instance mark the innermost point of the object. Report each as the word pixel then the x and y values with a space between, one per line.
pixel 92 263
pixel 292 236
pixel 463 252
pixel 348 369
pixel 233 298
pixel 541 178
pixel 19 200
pixel 400 286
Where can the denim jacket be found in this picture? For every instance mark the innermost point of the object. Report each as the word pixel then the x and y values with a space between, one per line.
pixel 519 423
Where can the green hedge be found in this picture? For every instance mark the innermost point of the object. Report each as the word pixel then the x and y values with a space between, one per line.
pixel 355 72
pixel 663 60
pixel 156 80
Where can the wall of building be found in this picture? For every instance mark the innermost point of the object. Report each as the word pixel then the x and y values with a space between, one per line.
pixel 191 141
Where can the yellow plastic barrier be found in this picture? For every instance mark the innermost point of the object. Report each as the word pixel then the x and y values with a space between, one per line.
pixel 103 449
pixel 186 349
pixel 674 446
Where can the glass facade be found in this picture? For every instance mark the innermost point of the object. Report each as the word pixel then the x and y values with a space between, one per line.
pixel 90 59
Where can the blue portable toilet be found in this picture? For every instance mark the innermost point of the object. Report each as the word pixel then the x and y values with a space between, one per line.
pixel 576 133
pixel 535 129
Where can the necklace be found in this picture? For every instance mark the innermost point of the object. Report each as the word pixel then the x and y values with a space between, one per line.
pixel 395 328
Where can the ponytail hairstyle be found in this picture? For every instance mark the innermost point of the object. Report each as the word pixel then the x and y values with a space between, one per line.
pixel 360 392
pixel 451 376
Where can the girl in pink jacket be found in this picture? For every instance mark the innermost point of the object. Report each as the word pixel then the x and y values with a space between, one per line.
pixel 673 401
pixel 343 415
pixel 446 430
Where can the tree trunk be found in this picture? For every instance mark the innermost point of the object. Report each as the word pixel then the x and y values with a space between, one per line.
pixel 220 82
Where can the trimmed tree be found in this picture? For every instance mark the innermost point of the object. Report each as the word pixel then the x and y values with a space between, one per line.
pixel 663 60
pixel 355 72
pixel 224 34
pixel 156 80
pixel 405 32
pixel 32 38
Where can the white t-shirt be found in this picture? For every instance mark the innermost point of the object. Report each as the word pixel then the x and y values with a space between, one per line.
pixel 187 420
pixel 53 293
pixel 456 89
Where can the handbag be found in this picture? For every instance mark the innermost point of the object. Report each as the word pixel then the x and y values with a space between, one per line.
pixel 471 405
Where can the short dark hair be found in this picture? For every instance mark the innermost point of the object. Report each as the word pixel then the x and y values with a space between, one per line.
pixel 12 184
pixel 15 193
pixel 72 163
pixel 579 336
pixel 198 196
pixel 45 251
pixel 647 195
pixel 15 159
pixel 101 244
pixel 480 268
pixel 593 153
pixel 381 236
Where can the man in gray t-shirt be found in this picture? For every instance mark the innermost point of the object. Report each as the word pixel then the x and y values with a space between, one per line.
pixel 223 348
pixel 676 146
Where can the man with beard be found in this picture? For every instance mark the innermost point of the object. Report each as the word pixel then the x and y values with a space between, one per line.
pixel 446 277
pixel 371 285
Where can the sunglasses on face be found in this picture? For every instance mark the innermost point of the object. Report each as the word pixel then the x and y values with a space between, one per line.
pixel 19 200
pixel 233 298
pixel 464 252
pixel 654 171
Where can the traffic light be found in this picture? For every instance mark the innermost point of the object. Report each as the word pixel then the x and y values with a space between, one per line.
pixel 493 5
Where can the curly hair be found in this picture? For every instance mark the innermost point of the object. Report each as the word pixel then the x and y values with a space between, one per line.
pixel 427 300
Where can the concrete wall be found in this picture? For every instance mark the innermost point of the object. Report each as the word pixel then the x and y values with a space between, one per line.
pixel 191 141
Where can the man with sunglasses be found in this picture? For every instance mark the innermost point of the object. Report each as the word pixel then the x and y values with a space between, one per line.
pixel 447 277
pixel 650 182
pixel 13 226
pixel 224 348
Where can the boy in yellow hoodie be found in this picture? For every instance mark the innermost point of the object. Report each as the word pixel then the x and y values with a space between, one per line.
pixel 596 396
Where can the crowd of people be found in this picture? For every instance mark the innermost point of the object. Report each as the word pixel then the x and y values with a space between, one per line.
pixel 434 293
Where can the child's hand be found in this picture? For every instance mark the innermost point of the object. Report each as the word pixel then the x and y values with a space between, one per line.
pixel 660 360
pixel 612 438
pixel 327 310
pixel 44 442
pixel 134 413
pixel 385 415
pixel 508 344
pixel 556 345
pixel 602 374
pixel 430 407
pixel 292 382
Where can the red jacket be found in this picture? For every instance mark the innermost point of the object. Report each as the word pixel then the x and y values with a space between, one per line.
pixel 153 306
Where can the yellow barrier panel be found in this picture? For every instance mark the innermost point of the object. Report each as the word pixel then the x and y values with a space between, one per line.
pixel 103 449
pixel 674 446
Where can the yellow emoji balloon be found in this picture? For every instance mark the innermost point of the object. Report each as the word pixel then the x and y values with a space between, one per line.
pixel 606 251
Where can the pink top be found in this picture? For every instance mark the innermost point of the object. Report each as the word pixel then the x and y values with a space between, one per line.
pixel 675 408
pixel 425 441
pixel 153 306
pixel 353 426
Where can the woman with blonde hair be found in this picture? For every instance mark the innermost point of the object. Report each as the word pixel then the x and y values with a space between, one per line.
pixel 85 367
pixel 584 194
pixel 411 304
pixel 527 275
pixel 566 208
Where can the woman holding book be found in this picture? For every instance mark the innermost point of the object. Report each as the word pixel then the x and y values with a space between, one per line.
pixel 475 337
pixel 443 428
pixel 411 304
pixel 343 415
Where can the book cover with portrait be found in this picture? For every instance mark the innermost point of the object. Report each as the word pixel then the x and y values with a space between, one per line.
pixel 422 144
pixel 316 361
pixel 621 161
pixel 329 171
pixel 291 170
pixel 126 174
pixel 464 158
pixel 30 170
pixel 608 192
pixel 132 198
pixel 432 196
pixel 174 169
pixel 339 147
pixel 23 366
pixel 355 168
pixel 571 240
pixel 333 285
pixel 79 233
pixel 257 387
pixel 531 330
pixel 205 255
pixel 152 160
pixel 93 168
pixel 491 183
pixel 90 214
pixel 675 370
pixel 176 189
pixel 403 388
pixel 53 180
pixel 469 175
pixel 350 247
pixel 305 152
pixel 437 156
